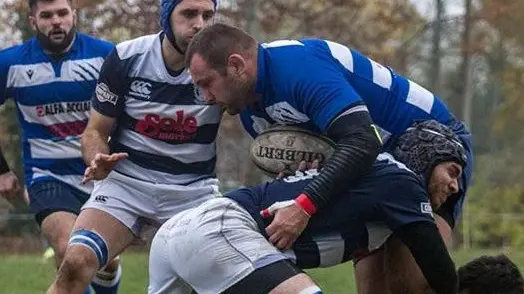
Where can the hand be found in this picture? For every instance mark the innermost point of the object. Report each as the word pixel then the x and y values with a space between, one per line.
pixel 302 167
pixel 289 222
pixel 101 166
pixel 9 186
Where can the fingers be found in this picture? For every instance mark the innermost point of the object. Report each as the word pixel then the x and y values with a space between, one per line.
pixel 88 175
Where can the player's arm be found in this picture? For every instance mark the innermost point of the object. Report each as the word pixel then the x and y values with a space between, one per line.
pixel 107 104
pixel 429 251
pixel 336 108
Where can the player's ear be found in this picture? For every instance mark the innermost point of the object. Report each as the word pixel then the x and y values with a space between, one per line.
pixel 32 22
pixel 236 64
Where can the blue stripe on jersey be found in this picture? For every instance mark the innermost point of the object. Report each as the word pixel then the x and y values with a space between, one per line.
pixel 205 134
pixel 362 66
pixel 165 164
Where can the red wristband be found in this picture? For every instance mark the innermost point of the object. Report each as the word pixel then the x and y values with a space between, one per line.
pixel 303 201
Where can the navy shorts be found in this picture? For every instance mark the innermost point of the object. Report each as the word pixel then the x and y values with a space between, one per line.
pixel 49 196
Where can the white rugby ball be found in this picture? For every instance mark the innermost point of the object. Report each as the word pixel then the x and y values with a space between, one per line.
pixel 284 147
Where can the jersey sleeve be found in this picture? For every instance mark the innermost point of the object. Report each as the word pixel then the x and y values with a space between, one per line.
pixel 324 95
pixel 108 98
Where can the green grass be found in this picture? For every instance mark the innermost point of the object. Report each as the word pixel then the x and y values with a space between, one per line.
pixel 28 274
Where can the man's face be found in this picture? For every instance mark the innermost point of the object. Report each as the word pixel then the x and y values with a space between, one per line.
pixel 189 17
pixel 54 23
pixel 227 89
pixel 444 182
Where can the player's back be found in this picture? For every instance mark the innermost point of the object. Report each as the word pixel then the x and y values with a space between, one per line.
pixel 373 198
pixel 52 97
pixel 393 101
pixel 162 122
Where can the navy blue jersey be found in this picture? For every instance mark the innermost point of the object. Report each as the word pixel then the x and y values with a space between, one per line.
pixel 389 194
pixel 162 122
pixel 53 101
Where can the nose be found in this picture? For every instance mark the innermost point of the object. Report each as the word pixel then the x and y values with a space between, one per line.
pixel 210 99
pixel 56 20
pixel 453 186
pixel 199 23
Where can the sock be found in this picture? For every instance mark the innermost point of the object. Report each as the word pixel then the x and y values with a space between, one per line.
pixel 88 290
pixel 107 283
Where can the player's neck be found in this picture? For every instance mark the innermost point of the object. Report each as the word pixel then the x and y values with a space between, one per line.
pixel 172 58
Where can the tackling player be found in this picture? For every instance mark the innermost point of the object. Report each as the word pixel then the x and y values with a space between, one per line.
pixel 222 243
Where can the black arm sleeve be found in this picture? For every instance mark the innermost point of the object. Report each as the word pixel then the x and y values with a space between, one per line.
pixel 427 247
pixel 358 145
pixel 4 167
pixel 446 210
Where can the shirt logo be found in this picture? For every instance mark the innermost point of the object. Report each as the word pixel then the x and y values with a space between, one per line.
pixel 30 73
pixel 425 207
pixel 103 94
pixel 101 199
pixel 140 89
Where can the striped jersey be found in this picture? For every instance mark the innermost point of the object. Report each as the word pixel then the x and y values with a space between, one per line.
pixel 52 100
pixel 162 121
pixel 310 82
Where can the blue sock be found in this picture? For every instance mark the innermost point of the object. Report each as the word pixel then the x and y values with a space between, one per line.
pixel 107 285
pixel 88 290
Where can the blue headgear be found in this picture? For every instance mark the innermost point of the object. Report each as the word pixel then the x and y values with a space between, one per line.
pixel 166 8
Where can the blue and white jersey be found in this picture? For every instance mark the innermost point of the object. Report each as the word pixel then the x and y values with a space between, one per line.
pixel 162 122
pixel 310 82
pixel 53 100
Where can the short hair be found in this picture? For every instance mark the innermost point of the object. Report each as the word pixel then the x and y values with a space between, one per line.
pixel 32 4
pixel 491 275
pixel 217 42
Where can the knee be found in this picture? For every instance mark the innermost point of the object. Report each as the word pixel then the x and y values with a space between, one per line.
pixel 78 263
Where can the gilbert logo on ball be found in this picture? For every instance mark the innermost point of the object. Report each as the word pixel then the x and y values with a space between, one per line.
pixel 284 147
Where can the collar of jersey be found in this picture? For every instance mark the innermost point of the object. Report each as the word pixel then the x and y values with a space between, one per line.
pixel 261 70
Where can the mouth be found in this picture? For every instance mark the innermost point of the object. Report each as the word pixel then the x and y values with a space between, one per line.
pixel 57 34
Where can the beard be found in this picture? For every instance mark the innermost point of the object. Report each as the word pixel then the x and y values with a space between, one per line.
pixel 55 47
pixel 241 94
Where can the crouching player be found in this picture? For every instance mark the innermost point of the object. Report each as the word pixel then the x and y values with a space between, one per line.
pixel 222 246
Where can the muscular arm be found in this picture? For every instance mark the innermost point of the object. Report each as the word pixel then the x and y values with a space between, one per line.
pixel 430 253
pixel 96 135
pixel 358 145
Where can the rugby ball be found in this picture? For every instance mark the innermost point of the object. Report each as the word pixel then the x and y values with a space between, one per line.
pixel 284 147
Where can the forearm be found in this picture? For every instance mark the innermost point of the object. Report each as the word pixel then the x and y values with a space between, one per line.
pixel 92 144
pixel 357 148
pixel 429 251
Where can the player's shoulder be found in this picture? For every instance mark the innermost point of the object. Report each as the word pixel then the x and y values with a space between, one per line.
pixel 137 46
pixel 17 54
pixel 96 45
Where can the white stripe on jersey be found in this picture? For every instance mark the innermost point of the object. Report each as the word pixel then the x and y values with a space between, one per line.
pixel 28 75
pixel 378 234
pixel 73 180
pixel 48 149
pixel 133 170
pixel 331 249
pixel 420 97
pixel 384 156
pixel 186 153
pixel 342 54
pixel 206 114
pixel 151 64
pixel 66 113
pixel 381 75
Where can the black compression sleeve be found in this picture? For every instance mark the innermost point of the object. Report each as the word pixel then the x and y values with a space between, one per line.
pixel 358 145
pixel 427 247
pixel 4 167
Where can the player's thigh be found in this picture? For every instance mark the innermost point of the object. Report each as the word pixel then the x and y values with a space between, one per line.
pixel 113 233
pixel 370 273
pixel 402 273
pixel 56 228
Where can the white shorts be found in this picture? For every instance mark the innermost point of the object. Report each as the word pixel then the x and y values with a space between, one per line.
pixel 135 203
pixel 209 248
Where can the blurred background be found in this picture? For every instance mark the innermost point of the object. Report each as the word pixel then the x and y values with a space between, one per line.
pixel 469 52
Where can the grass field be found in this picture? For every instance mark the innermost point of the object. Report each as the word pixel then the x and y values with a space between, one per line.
pixel 28 274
